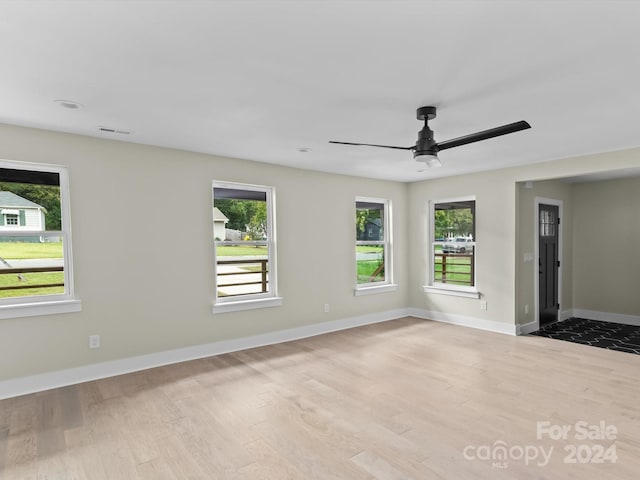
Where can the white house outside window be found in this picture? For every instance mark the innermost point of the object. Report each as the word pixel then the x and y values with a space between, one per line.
pixel 36 275
pixel 244 239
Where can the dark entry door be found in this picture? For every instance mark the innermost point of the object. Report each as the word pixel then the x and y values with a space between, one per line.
pixel 549 224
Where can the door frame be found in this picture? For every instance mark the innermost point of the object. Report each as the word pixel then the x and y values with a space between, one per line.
pixel 536 254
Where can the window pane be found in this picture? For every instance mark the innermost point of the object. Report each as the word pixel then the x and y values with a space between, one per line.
pixel 370 263
pixel 454 219
pixel 31 265
pixel 29 206
pixel 242 275
pixel 369 221
pixel 239 215
pixel 454 267
pixel 454 243
pixel 240 219
pixel 547 223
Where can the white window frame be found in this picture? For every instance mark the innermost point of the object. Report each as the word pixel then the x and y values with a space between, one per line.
pixel 15 221
pixel 446 288
pixel 387 285
pixel 45 304
pixel 252 300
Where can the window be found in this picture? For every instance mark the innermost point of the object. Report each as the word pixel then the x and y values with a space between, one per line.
pixel 244 239
pixel 453 246
pixel 35 241
pixel 547 223
pixel 373 245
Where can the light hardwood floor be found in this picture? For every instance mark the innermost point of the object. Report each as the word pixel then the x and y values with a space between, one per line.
pixel 405 399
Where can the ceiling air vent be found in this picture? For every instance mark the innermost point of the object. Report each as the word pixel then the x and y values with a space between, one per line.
pixel 113 131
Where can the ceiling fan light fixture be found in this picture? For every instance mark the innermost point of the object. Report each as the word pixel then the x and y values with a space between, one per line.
pixel 431 159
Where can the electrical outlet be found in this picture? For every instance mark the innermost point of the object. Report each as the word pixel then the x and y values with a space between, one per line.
pixel 94 341
pixel 526 309
pixel 327 308
pixel 483 304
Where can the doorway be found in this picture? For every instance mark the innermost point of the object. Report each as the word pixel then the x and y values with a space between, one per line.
pixel 548 263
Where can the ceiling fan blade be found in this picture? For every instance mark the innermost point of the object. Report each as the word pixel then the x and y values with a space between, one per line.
pixel 373 145
pixel 484 135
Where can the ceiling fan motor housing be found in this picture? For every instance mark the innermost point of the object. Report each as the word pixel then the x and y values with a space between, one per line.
pixel 426 145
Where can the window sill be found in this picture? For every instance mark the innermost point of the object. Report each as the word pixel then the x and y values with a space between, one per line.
pixel 247 305
pixel 35 309
pixel 389 287
pixel 465 292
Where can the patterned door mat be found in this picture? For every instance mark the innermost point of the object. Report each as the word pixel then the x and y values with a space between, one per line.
pixel 614 336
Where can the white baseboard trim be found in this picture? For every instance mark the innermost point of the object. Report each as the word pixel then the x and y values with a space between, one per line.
pixel 479 323
pixel 565 314
pixel 61 378
pixel 607 316
pixel 526 328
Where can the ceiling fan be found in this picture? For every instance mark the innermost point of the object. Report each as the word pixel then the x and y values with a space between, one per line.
pixel 426 148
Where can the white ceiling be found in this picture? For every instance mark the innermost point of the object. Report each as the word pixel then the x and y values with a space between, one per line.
pixel 262 79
